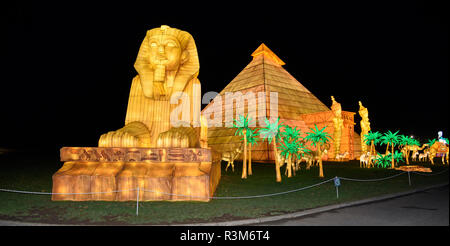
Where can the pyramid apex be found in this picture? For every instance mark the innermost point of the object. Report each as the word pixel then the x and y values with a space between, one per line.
pixel 264 50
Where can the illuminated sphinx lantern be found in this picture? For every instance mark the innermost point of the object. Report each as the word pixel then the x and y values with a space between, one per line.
pixel 166 85
pixel 161 153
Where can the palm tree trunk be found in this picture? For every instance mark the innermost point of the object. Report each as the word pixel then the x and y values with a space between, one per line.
pixel 277 165
pixel 289 166
pixel 407 156
pixel 294 165
pixel 320 163
pixel 250 159
pixel 297 164
pixel 371 147
pixel 244 164
pixel 371 153
pixel 392 153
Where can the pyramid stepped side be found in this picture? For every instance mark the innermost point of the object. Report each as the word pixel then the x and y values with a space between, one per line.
pixel 264 74
pixel 223 139
pixel 293 97
pixel 252 75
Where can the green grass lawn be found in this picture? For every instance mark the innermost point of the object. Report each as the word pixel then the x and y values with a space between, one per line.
pixel 22 172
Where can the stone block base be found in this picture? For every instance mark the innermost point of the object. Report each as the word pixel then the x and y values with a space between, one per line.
pixel 118 180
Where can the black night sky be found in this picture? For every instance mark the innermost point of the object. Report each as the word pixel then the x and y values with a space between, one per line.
pixel 67 69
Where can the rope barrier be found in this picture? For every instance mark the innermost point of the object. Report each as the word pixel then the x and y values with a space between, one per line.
pixel 165 193
pixel 431 174
pixel 372 180
pixel 242 197
pixel 237 197
pixel 335 179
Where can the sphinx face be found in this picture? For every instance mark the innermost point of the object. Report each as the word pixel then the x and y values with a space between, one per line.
pixel 161 62
pixel 165 52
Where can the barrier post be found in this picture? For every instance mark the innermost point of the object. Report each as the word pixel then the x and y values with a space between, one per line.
pixel 337 192
pixel 337 183
pixel 137 202
pixel 409 179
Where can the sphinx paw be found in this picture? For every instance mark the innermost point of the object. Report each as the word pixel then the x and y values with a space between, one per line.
pixel 172 139
pixel 118 139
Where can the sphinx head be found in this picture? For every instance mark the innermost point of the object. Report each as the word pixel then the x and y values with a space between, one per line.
pixel 166 61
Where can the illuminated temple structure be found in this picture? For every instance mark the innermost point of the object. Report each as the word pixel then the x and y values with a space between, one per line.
pixel 296 107
pixel 150 158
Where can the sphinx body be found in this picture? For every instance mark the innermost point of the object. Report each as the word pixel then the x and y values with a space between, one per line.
pixel 161 153
pixel 166 86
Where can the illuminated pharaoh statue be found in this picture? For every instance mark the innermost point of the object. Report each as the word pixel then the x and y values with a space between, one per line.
pixel 338 123
pixel 166 86
pixel 365 125
pixel 162 147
